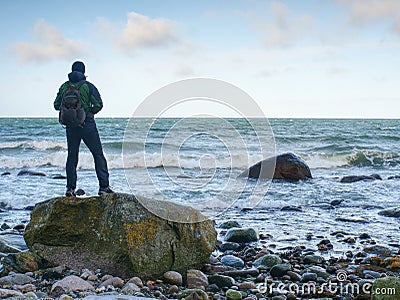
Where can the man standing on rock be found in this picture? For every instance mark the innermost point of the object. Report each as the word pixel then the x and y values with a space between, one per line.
pixel 80 125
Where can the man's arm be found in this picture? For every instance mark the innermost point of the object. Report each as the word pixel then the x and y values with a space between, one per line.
pixel 96 103
pixel 57 101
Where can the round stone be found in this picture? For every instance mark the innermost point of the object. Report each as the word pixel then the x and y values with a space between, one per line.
pixel 232 261
pixel 195 279
pixel 199 294
pixel 229 246
pixel 233 295
pixel 321 272
pixel 221 280
pixel 279 270
pixel 229 225
pixel 313 259
pixel 306 277
pixel 173 277
pixel 241 235
pixel 268 260
pixel 247 285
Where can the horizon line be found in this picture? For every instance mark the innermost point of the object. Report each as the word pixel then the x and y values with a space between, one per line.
pixel 225 117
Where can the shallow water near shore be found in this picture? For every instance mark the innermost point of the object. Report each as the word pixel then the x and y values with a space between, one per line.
pixel 332 149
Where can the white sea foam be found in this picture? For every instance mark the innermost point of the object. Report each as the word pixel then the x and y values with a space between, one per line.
pixel 135 160
pixel 35 145
pixel 138 160
pixel 326 162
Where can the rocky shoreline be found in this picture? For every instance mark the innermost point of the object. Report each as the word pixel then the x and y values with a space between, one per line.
pixel 242 267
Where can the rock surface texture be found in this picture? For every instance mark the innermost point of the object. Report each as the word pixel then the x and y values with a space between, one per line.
pixel 117 234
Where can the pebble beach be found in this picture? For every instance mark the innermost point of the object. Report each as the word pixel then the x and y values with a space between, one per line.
pixel 244 266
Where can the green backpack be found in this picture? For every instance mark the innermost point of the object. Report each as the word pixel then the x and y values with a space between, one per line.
pixel 72 113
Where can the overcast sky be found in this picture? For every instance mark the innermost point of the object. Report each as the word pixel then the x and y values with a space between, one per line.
pixel 310 58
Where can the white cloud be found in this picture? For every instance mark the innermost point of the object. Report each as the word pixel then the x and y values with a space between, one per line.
pixel 281 26
pixel 49 43
pixel 273 71
pixel 184 71
pixel 285 28
pixel 186 48
pixel 362 12
pixel 337 71
pixel 105 28
pixel 396 26
pixel 141 31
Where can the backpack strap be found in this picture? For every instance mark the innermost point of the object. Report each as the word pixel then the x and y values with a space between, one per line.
pixel 79 84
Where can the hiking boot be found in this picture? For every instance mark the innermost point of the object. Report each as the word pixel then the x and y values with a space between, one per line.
pixel 70 192
pixel 105 191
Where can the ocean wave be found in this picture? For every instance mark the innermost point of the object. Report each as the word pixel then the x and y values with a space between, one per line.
pixel 135 160
pixel 374 158
pixel 365 158
pixel 325 161
pixel 34 145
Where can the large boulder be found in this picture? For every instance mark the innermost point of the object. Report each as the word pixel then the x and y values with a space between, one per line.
pixel 386 288
pixel 117 234
pixel 286 166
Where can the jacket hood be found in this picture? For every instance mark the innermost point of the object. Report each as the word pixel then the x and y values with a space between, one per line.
pixel 76 76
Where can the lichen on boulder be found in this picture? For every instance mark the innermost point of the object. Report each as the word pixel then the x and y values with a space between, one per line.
pixel 119 235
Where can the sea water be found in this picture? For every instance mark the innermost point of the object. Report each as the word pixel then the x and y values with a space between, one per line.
pixel 194 163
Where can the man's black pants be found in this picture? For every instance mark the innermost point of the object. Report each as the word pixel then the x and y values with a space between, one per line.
pixel 90 136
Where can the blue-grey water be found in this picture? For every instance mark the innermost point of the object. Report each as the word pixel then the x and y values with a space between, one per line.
pixel 194 162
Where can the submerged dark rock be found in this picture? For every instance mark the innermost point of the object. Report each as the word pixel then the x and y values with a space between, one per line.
pixel 5 248
pixel 117 234
pixel 352 220
pixel 336 202
pixel 229 246
pixel 30 173
pixel 291 208
pixel 58 176
pixel 324 206
pixel 287 166
pixel 14 239
pixel 5 226
pixel 364 236
pixel 390 212
pixel 378 250
pixel 229 225
pixel 355 178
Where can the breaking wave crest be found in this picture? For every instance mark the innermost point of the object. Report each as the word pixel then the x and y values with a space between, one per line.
pixel 34 145
pixel 356 159
pixel 239 161
pixel 136 160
